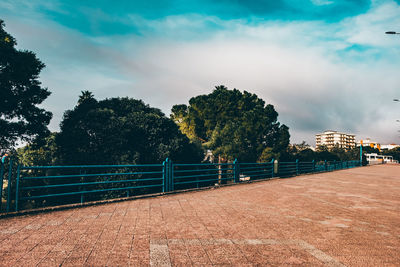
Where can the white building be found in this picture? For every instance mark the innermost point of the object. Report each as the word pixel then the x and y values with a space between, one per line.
pixel 331 138
pixel 368 142
pixel 374 158
pixel 390 146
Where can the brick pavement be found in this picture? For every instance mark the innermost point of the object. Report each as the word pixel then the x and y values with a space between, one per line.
pixel 343 218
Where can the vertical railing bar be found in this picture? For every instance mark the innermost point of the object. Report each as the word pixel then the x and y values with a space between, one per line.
pixel 172 176
pixel 1 181
pixel 235 171
pixel 167 178
pixel 272 168
pixel 80 188
pixel 17 188
pixel 164 175
pixel 9 185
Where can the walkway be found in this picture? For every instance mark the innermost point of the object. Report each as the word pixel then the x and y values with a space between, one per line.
pixel 343 218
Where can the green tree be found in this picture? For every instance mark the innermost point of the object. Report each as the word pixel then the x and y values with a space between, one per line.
pixel 232 124
pixel 20 94
pixel 267 155
pixel 121 131
pixel 322 153
pixel 306 155
pixel 395 152
pixel 41 152
pixel 85 96
pixel 339 152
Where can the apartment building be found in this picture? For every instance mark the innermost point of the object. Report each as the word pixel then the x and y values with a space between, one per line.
pixel 331 138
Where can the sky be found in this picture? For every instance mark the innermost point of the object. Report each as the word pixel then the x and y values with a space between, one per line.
pixel 323 64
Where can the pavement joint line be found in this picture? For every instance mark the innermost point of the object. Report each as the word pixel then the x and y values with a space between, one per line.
pixel 159 251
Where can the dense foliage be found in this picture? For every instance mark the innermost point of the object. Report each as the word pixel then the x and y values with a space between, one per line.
pixel 395 152
pixel 303 152
pixel 20 94
pixel 120 131
pixel 232 124
pixel 41 152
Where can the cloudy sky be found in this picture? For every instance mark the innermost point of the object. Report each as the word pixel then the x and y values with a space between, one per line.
pixel 323 64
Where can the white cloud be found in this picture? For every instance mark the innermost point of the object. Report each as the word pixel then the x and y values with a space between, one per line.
pixel 339 76
pixel 369 28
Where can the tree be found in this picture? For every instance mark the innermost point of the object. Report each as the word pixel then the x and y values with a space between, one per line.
pixel 121 131
pixel 232 124
pixel 20 93
pixel 85 96
pixel 305 155
pixel 41 152
pixel 267 155
pixel 322 153
pixel 395 152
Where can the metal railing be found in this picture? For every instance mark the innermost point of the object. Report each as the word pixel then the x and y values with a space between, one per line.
pixel 29 187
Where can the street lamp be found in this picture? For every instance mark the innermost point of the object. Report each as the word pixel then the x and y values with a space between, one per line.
pixel 391 32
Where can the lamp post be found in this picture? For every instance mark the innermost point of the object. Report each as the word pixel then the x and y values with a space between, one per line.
pixel 397 100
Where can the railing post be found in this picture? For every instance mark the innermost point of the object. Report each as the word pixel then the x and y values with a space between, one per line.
pixel 272 168
pixel 9 184
pixel 313 165
pixel 236 171
pixel 171 176
pixel 1 180
pixel 166 175
pixel 80 187
pixel 17 188
pixel 326 166
pixel 297 167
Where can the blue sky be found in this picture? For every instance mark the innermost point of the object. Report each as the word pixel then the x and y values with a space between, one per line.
pixel 324 64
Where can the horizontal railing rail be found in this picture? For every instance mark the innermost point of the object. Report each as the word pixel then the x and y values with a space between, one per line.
pixel 202 175
pixel 54 185
pixel 256 171
pixel 28 187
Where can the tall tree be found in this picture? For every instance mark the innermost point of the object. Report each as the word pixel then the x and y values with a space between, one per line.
pixel 120 131
pixel 85 96
pixel 20 94
pixel 232 124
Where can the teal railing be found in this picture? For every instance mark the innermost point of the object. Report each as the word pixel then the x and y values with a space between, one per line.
pixel 29 187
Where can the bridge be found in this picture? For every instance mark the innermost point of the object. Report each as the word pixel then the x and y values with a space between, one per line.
pixel 342 218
